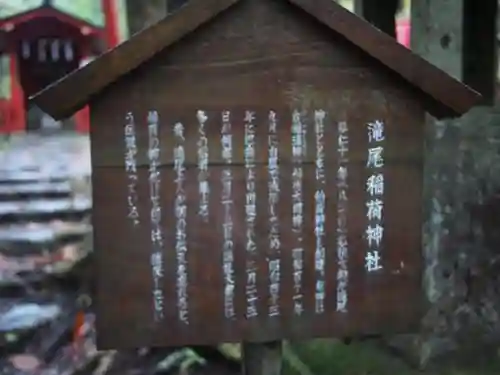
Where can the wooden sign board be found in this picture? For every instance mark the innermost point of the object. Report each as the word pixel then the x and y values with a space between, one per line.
pixel 258 224
pixel 230 224
pixel 233 212
pixel 260 178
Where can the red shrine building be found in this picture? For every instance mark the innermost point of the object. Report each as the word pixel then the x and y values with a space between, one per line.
pixel 43 42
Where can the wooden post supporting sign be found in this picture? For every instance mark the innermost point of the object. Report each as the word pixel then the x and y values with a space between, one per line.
pixel 262 358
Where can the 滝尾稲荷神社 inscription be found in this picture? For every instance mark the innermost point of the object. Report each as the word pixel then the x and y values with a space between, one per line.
pixel 375 189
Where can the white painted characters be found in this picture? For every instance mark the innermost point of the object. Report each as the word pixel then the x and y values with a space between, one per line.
pixel 131 168
pixel 273 198
pixel 227 226
pixel 375 159
pixel 250 216
pixel 374 209
pixel 374 234
pixel 373 261
pixel 155 214
pixel 298 154
pixel 375 188
pixel 180 212
pixel 375 185
pixel 343 141
pixel 376 131
pixel 203 185
pixel 320 202
pixel 342 206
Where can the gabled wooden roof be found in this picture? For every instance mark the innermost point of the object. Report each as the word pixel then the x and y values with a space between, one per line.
pixel 61 99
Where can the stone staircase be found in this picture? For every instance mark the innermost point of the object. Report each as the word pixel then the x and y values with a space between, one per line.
pixel 45 230
pixel 45 206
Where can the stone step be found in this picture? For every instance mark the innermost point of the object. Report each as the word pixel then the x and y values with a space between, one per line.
pixel 8 177
pixel 29 190
pixel 42 233
pixel 45 207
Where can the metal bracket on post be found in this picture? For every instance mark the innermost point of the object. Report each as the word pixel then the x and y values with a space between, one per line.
pixel 262 358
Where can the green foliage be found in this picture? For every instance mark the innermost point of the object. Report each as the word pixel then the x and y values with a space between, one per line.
pixel 183 360
pixel 87 10
pixel 331 357
pixel 11 7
